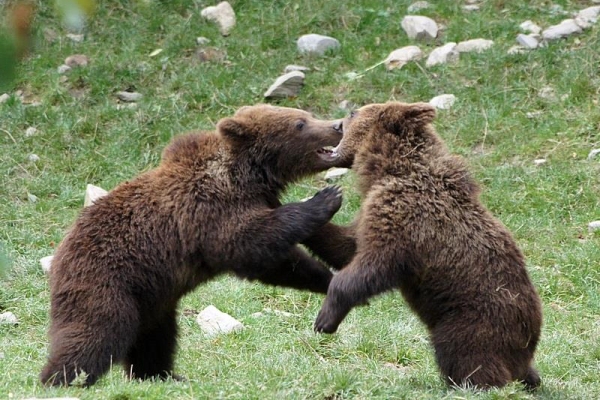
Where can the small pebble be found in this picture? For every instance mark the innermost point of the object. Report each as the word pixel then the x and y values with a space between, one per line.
pixel 33 158
pixel 129 96
pixel 8 318
pixel 593 154
pixel 31 131
pixel 46 263
pixel 335 173
pixel 63 69
pixel 594 226
pixel 539 161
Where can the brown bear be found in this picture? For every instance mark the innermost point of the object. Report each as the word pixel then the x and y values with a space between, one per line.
pixel 210 207
pixel 422 229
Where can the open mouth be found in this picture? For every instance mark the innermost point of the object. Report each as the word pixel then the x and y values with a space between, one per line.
pixel 328 153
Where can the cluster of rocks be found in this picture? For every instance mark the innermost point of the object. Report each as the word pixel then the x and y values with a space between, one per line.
pixel 536 37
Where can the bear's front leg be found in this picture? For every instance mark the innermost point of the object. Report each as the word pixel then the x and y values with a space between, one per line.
pixel 366 276
pixel 334 244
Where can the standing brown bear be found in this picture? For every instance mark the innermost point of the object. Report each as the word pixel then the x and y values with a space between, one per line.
pixel 210 207
pixel 422 229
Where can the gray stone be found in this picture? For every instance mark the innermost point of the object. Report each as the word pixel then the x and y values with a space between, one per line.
pixel 443 101
pixel 223 15
pixel 214 322
pixel 530 27
pixel 287 85
pixel 291 68
pixel 33 158
pixel 400 57
pixel 31 131
pixel 317 44
pixel 587 17
pixel 201 40
pixel 32 198
pixel 335 173
pixel 593 154
pixel 443 54
pixel 471 7
pixel 63 69
pixel 566 28
pixel 419 28
pixel 8 318
pixel 129 97
pixel 474 45
pixel 46 263
pixel 417 6
pixel 93 193
pixel 539 161
pixel 594 226
pixel 527 41
pixel 4 97
pixel 547 93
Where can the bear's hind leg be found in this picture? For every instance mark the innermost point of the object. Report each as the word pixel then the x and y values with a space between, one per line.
pixel 86 351
pixel 151 356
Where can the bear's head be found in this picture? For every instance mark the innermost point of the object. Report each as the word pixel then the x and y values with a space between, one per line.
pixel 400 119
pixel 288 142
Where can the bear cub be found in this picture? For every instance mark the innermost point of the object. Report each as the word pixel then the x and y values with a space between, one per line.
pixel 423 230
pixel 210 207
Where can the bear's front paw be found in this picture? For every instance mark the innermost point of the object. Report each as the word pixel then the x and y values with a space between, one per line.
pixel 327 201
pixel 326 321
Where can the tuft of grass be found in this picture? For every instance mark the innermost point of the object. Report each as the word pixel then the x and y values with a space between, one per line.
pixel 84 135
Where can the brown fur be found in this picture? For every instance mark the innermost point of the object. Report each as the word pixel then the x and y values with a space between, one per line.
pixel 422 229
pixel 210 207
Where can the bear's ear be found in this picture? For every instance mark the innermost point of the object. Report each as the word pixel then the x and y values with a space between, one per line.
pixel 231 128
pixel 397 117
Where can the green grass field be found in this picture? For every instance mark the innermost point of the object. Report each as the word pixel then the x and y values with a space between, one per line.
pixel 84 135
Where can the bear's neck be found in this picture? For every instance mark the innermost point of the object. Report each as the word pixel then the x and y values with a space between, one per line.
pixel 388 154
pixel 257 177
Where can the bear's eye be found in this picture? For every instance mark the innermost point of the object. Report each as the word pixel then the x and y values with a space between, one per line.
pixel 300 124
pixel 353 113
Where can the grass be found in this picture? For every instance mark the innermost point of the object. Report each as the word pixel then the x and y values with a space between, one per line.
pixel 381 352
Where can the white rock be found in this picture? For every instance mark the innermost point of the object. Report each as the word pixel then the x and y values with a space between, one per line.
pixel 443 54
pixel 566 28
pixel 8 318
pixel 201 40
pixel 46 263
pixel 530 27
pixel 594 226
pixel 290 68
pixel 287 85
pixel 588 17
pixel 32 197
pixel 213 322
pixel 527 41
pixel 419 28
pixel 593 154
pixel 474 45
pixel 335 173
pixel 4 97
pixel 31 131
pixel 223 15
pixel 539 161
pixel 316 44
pixel 471 7
pixel 93 193
pixel 155 52
pixel 129 96
pixel 547 93
pixel 443 101
pixel 63 69
pixel 400 57
pixel 33 158
pixel 417 6
pixel 75 37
